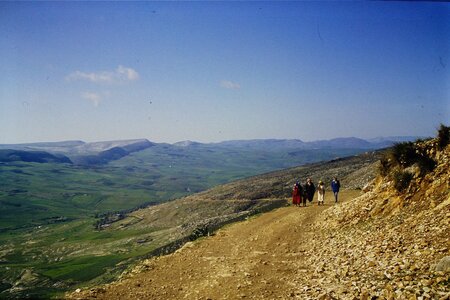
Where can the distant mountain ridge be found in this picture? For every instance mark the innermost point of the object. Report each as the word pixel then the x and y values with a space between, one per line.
pixel 263 143
pixel 81 147
pixel 78 147
pixel 104 152
pixel 394 139
pixel 186 143
pixel 97 153
pixel 78 152
pixel 351 142
pixel 10 155
pixel 336 143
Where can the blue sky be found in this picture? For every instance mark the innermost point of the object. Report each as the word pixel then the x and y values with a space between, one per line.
pixel 213 71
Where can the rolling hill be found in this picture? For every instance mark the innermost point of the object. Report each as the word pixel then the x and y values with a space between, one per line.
pixel 81 153
pixel 100 153
pixel 59 217
pixel 389 241
pixel 69 252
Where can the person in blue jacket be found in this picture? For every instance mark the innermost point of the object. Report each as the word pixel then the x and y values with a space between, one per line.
pixel 335 186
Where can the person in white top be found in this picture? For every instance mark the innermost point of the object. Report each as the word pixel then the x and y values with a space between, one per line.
pixel 321 192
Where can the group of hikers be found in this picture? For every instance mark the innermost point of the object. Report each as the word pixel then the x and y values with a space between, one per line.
pixel 303 193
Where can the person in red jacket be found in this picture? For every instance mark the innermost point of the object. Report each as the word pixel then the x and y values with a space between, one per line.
pixel 297 194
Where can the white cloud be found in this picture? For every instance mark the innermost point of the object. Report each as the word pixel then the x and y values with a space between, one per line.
pixel 230 85
pixel 95 98
pixel 127 73
pixel 93 77
pixel 121 74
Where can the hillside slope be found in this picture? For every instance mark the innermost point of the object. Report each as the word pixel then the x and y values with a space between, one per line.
pixel 380 244
pixel 171 224
pixel 75 252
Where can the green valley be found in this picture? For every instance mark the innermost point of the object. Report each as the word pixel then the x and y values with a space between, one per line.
pixel 64 224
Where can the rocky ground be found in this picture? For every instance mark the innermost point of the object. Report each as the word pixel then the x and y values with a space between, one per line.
pixel 374 244
pixel 288 254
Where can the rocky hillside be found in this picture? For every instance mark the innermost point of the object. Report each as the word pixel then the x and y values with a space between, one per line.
pixel 385 242
pixel 354 173
pixel 104 246
pixel 390 244
pixel 173 223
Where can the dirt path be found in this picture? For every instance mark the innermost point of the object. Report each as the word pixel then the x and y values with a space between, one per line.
pixel 261 258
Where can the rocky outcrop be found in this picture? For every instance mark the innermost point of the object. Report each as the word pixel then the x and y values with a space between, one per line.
pixel 386 244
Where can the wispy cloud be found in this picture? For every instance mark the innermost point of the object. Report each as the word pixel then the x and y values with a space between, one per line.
pixel 127 73
pixel 121 74
pixel 230 85
pixel 95 98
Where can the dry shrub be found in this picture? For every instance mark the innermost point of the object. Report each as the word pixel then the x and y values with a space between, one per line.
pixel 384 166
pixel 404 154
pixel 402 179
pixel 443 136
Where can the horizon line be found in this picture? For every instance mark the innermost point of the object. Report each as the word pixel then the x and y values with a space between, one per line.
pixel 223 141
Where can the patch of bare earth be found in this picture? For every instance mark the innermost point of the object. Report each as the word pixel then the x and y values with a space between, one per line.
pixel 264 257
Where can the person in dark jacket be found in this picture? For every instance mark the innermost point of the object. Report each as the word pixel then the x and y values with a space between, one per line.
pixel 335 186
pixel 310 189
pixel 304 195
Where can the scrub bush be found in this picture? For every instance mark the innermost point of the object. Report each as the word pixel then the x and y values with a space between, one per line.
pixel 443 136
pixel 402 180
